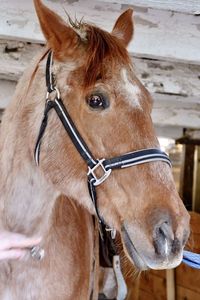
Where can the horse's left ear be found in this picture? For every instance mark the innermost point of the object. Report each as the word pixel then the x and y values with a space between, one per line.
pixel 124 27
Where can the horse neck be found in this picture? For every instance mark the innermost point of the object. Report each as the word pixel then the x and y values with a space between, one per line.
pixel 26 198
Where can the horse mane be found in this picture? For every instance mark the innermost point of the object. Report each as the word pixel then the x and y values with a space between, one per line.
pixel 99 45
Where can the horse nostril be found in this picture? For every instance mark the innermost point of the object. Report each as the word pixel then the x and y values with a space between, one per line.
pixel 163 238
pixel 166 230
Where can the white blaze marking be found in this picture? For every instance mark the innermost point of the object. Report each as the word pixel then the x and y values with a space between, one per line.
pixel 131 91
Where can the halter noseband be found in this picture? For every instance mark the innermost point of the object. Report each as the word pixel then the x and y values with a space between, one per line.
pixel 106 165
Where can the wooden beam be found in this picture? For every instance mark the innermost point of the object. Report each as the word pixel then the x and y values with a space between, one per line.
pixel 171 132
pixel 188 7
pixel 165 77
pixel 174 86
pixel 170 110
pixel 178 111
pixel 15 56
pixel 153 39
pixel 161 131
pixel 158 76
pixel 169 122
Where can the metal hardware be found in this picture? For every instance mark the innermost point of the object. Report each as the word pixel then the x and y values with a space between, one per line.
pixel 37 253
pixel 57 94
pixel 91 171
pixel 113 232
pixel 121 284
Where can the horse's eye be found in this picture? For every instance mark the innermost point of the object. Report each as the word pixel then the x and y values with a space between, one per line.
pixel 95 101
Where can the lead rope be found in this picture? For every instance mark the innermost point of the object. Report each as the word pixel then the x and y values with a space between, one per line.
pixel 191 259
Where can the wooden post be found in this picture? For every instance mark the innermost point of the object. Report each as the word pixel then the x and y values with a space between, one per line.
pixel 186 182
pixel 171 291
pixel 196 186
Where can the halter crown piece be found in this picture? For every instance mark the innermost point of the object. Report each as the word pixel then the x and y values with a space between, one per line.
pixel 106 165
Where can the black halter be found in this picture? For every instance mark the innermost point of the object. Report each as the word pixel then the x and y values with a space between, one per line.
pixel 106 165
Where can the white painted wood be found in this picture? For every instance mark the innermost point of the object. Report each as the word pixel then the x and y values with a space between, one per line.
pixel 158 33
pixel 168 111
pixel 171 132
pixel 158 76
pixel 176 111
pixel 169 77
pixel 170 114
pixel 186 6
pixel 7 89
pixel 14 60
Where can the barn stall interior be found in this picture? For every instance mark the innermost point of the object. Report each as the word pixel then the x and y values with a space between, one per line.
pixel 166 56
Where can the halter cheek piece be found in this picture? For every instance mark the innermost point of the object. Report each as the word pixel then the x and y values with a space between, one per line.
pixel 106 165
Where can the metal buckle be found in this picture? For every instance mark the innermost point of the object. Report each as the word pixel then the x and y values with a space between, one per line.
pixel 112 231
pixel 121 284
pixel 91 171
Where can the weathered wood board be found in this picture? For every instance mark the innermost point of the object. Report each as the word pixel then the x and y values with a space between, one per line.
pixel 171 111
pixel 158 76
pixel 159 34
pixel 177 111
pixel 7 89
pixel 174 86
pixel 189 6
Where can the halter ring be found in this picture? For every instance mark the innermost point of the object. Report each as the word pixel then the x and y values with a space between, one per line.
pixel 57 94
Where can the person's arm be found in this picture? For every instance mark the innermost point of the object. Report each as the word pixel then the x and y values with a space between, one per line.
pixel 15 245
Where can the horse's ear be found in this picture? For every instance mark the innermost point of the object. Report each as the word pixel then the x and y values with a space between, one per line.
pixel 124 27
pixel 59 35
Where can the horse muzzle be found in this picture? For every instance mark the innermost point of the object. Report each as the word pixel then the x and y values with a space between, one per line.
pixel 163 251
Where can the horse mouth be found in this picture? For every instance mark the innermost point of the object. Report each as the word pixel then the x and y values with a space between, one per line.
pixel 132 251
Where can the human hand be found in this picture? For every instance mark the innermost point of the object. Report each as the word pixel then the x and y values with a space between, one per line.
pixel 15 245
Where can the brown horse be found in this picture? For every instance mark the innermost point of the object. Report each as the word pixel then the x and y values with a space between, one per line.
pixel 111 109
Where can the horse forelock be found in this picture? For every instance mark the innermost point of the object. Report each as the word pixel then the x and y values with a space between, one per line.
pixel 101 45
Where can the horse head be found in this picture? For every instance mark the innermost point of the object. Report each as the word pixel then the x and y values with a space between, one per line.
pixel 112 111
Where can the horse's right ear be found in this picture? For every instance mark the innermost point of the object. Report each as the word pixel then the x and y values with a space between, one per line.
pixel 61 38
pixel 124 27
